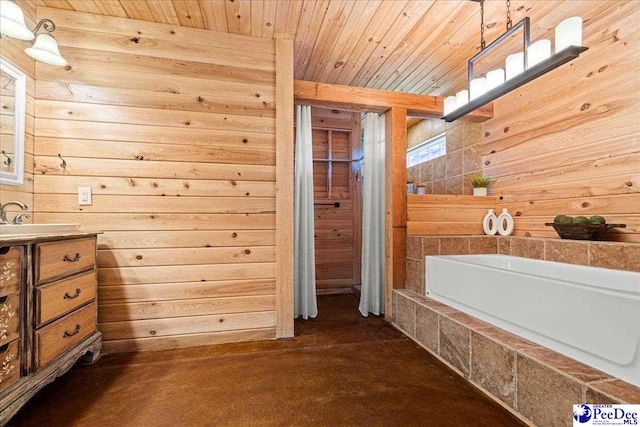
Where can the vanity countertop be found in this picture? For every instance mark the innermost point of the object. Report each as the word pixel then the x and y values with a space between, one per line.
pixel 20 239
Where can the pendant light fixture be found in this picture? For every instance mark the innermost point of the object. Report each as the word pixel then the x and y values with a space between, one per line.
pixel 533 61
pixel 44 48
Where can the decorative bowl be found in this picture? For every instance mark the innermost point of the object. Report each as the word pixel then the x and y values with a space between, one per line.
pixel 584 231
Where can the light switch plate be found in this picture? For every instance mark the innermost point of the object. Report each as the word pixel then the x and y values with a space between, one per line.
pixel 84 196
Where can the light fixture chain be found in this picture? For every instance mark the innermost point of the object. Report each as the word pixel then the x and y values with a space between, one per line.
pixel 482 42
pixel 509 23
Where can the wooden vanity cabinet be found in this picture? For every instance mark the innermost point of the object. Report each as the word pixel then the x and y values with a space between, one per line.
pixel 48 312
pixel 11 284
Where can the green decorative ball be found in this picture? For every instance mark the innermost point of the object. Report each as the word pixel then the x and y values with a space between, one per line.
pixel 563 219
pixel 596 219
pixel 581 220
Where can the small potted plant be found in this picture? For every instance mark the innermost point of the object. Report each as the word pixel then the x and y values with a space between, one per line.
pixel 480 184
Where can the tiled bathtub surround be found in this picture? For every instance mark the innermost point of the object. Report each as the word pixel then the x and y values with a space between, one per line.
pixel 534 382
pixel 616 255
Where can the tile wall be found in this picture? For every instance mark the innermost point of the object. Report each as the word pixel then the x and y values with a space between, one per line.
pixel 451 173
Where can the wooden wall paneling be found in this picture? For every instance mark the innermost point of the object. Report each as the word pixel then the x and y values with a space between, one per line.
pixel 336 137
pixel 155 33
pixel 145 64
pixel 132 169
pixel 166 327
pixel 187 256
pixel 181 156
pixel 356 196
pixel 153 221
pixel 432 214
pixel 187 340
pixel 186 290
pixel 104 42
pixel 187 308
pixel 154 187
pixel 577 151
pixel 284 188
pixel 232 103
pixel 186 239
pixel 157 152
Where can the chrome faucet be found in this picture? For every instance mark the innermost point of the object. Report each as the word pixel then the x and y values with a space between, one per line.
pixel 3 210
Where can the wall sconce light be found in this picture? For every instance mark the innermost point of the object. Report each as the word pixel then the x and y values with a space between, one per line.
pixel 533 61
pixel 44 48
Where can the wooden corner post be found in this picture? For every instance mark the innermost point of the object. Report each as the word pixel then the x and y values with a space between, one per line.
pixel 395 202
pixel 284 188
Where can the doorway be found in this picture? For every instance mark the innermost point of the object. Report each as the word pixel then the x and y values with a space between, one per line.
pixel 337 155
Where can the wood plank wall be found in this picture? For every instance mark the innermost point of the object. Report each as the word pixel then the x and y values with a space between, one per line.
pixel 174 130
pixel 337 230
pixel 569 142
pixel 13 52
pixel 432 214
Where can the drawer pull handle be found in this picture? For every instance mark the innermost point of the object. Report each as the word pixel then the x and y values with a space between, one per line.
pixel 74 259
pixel 4 348
pixel 68 334
pixel 74 296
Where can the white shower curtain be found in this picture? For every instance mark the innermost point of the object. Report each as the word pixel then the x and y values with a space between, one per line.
pixel 304 246
pixel 373 172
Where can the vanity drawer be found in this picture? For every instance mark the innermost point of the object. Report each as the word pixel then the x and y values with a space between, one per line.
pixel 64 258
pixel 61 297
pixel 10 272
pixel 61 335
pixel 9 318
pixel 10 364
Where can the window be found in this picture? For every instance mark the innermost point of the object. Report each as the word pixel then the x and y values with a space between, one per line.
pixel 428 150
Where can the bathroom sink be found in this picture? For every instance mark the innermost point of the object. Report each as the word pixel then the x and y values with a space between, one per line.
pixel 37 228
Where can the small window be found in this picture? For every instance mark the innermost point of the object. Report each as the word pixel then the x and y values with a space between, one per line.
pixel 428 150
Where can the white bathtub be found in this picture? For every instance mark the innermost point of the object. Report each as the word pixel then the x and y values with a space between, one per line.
pixel 589 314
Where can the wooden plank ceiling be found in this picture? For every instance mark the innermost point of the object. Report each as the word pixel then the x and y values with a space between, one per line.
pixel 417 46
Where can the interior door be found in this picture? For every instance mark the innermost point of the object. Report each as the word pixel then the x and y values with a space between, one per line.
pixel 337 198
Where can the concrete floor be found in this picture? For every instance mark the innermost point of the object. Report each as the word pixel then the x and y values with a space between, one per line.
pixel 341 370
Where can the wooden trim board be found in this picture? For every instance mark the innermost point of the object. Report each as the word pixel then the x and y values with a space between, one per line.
pixel 284 188
pixel 377 101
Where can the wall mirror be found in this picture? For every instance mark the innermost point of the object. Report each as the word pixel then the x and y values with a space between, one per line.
pixel 12 111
